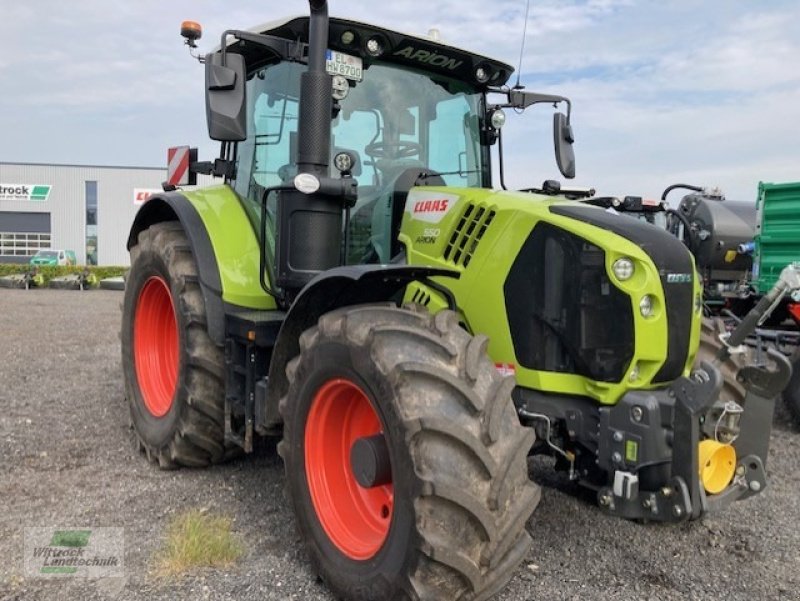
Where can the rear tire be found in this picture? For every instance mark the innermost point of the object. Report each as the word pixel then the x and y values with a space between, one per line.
pixel 455 509
pixel 173 371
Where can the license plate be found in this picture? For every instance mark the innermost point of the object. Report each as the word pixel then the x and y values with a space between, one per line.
pixel 339 63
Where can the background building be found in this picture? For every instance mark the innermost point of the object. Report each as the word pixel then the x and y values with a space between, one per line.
pixel 88 209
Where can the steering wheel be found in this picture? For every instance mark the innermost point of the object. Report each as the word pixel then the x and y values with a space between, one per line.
pixel 392 150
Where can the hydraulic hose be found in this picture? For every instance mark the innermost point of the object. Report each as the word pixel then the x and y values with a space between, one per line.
pixel 681 186
pixel 688 235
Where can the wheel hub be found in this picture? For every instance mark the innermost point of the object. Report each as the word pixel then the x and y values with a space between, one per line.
pixel 369 461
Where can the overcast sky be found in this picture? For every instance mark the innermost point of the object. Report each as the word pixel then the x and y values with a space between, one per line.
pixel 706 93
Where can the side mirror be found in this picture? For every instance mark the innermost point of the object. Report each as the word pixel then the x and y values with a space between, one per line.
pixel 225 97
pixel 562 138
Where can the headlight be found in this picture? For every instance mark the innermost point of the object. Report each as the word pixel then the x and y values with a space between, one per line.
pixel 623 269
pixel 482 74
pixel 374 46
pixel 498 118
pixel 646 306
pixel 339 87
pixel 343 162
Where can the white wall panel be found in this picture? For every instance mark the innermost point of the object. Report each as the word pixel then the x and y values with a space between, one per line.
pixel 67 203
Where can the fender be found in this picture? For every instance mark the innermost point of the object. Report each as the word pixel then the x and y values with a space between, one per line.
pixel 334 288
pixel 174 206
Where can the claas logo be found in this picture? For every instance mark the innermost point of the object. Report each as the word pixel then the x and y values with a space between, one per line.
pixel 430 210
pixel 431 206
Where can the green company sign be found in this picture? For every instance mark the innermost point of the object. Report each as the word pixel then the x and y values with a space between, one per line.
pixel 30 192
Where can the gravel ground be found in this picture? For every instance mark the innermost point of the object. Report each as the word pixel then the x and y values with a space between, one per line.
pixel 68 460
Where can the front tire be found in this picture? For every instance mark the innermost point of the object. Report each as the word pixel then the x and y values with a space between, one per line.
pixel 449 523
pixel 732 389
pixel 173 371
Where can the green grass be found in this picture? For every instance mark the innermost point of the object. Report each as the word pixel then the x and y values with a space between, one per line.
pixel 51 271
pixel 197 539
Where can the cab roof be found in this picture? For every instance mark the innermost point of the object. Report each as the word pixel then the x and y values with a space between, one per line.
pixel 419 52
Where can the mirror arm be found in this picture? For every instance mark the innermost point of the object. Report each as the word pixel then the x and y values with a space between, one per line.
pixel 544 99
pixel 520 99
pixel 284 49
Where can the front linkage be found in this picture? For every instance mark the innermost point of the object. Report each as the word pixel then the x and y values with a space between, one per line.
pixel 719 449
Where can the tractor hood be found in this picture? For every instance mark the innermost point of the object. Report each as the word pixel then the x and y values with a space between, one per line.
pixel 548 272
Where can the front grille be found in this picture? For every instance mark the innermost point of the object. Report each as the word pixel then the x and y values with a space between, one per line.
pixel 670 257
pixel 472 225
pixel 564 313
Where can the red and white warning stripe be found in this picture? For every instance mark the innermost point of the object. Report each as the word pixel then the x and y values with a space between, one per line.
pixel 178 165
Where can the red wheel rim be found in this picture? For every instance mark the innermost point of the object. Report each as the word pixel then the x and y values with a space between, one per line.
pixel 155 346
pixel 356 519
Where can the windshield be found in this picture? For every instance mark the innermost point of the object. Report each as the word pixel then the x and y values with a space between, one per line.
pixel 395 119
pixel 394 122
pixel 47 254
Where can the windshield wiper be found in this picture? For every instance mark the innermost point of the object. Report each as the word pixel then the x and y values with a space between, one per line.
pixel 439 173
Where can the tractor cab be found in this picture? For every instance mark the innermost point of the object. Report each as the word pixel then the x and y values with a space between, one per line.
pixel 398 122
pixel 398 102
pixel 405 110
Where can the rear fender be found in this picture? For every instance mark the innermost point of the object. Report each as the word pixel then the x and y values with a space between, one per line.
pixel 174 206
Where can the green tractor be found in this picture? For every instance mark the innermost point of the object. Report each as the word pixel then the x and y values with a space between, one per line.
pixel 412 334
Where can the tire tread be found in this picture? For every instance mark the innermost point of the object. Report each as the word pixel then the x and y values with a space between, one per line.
pixel 199 434
pixel 476 428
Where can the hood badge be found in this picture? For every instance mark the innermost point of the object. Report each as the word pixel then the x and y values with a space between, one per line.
pixel 679 278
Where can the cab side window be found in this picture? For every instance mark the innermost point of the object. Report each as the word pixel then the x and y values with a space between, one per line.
pixel 266 158
pixel 455 142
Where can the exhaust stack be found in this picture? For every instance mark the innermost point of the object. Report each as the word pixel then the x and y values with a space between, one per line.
pixel 310 213
pixel 314 129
